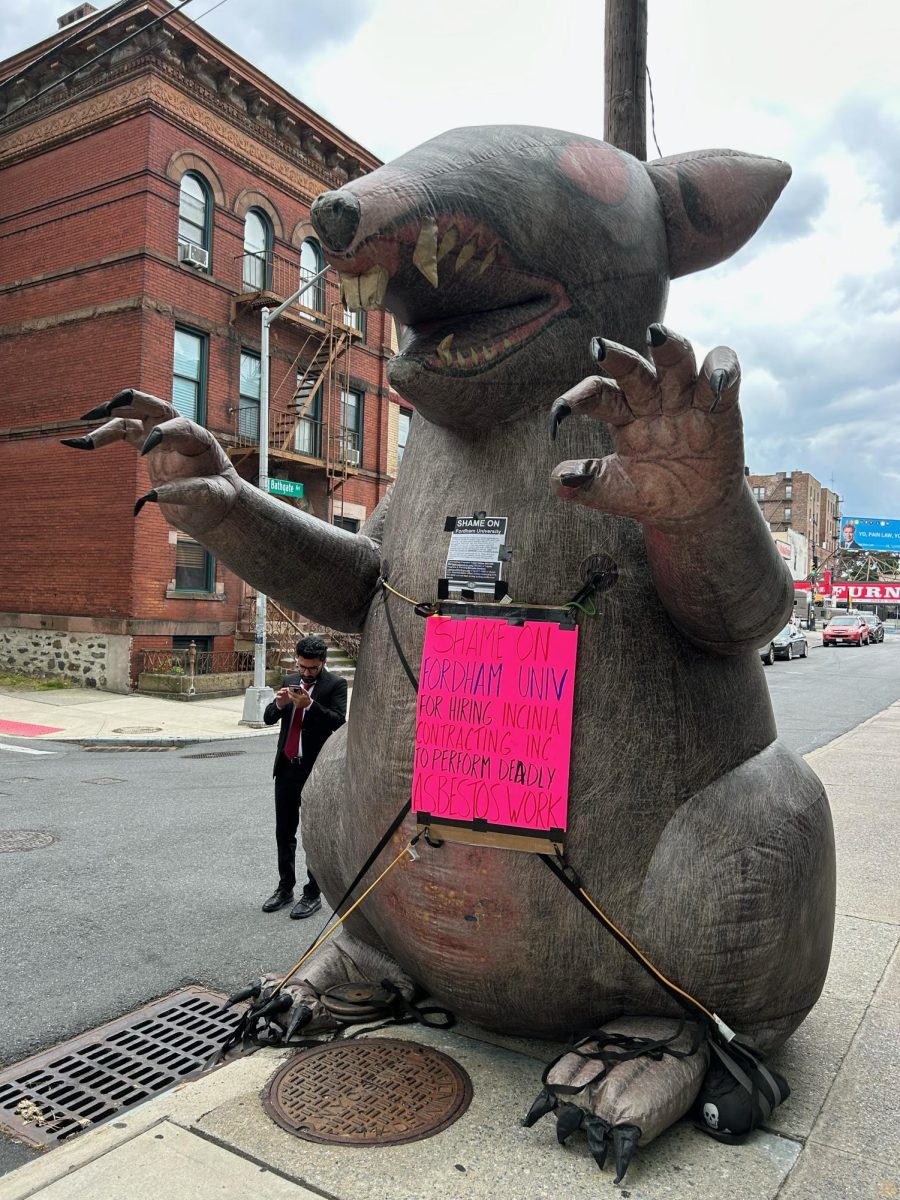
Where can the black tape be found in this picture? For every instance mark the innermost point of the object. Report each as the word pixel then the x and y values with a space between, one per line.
pixel 450 524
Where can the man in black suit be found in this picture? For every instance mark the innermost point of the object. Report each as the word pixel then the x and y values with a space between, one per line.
pixel 310 707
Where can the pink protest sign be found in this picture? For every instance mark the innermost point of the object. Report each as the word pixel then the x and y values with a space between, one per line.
pixel 494 730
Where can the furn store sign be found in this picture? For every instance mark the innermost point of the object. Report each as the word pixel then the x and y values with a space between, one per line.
pixel 868 593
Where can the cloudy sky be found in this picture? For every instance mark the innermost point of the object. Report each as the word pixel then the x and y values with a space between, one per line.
pixel 811 305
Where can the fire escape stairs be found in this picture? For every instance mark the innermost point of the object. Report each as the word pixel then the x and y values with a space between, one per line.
pixel 309 386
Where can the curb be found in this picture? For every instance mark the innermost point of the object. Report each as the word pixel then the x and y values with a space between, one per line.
pixel 173 740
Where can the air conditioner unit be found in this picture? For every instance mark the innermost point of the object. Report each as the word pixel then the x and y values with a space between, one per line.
pixel 351 456
pixel 193 255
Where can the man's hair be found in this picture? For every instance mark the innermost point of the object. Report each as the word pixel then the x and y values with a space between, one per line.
pixel 312 647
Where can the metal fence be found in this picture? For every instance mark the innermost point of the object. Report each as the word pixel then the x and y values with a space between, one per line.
pixel 201 662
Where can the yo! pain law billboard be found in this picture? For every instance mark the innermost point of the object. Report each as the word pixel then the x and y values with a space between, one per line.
pixel 870 533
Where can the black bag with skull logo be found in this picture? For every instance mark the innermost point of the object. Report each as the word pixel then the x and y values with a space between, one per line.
pixel 738 1093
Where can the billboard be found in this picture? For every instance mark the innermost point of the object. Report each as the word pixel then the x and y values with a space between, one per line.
pixel 870 533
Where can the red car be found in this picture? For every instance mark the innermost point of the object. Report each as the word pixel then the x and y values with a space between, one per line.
pixel 848 630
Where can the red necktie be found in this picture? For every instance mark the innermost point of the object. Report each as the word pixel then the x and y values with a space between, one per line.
pixel 292 741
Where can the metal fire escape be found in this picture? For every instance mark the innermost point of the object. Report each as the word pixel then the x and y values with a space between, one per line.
pixel 317 376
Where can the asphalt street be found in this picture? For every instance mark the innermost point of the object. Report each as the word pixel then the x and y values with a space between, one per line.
pixel 162 860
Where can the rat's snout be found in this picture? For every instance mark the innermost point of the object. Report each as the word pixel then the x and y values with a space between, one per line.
pixel 335 216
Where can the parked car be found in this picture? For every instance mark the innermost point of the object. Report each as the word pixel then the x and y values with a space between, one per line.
pixel 876 626
pixel 846 630
pixel 767 653
pixel 790 643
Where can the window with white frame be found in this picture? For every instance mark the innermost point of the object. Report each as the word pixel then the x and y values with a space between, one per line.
pixel 257 251
pixel 351 426
pixel 195 212
pixel 248 404
pixel 189 374
pixel 312 261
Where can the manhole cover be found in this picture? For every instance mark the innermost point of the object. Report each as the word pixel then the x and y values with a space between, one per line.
pixel 374 1092
pixel 216 754
pixel 60 1092
pixel 13 840
pixel 139 729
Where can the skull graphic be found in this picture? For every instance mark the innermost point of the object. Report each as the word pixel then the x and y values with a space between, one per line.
pixel 711 1116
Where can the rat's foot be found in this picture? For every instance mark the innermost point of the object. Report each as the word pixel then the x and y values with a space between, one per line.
pixel 624 1085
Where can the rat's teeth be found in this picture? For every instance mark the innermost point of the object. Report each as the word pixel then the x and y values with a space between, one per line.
pixel 466 253
pixel 425 253
pixel 448 241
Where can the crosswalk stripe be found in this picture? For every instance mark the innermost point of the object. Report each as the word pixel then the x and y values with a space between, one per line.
pixel 25 749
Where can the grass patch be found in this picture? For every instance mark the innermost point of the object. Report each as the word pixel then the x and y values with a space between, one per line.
pixel 32 683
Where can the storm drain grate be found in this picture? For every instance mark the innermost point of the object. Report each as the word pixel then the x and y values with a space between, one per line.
pixel 368 1092
pixel 14 840
pixel 216 754
pixel 53 1095
pixel 124 748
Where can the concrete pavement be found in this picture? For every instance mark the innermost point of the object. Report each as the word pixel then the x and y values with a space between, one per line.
pixel 837 1136
pixel 84 715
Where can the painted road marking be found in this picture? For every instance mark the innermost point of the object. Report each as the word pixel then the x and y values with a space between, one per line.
pixel 25 749
pixel 22 729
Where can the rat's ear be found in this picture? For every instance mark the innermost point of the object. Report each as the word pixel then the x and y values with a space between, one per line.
pixel 713 201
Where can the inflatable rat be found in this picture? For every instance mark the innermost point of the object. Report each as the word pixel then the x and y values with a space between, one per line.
pixel 502 252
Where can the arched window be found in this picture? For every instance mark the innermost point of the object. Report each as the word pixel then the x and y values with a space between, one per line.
pixel 195 219
pixel 312 261
pixel 257 251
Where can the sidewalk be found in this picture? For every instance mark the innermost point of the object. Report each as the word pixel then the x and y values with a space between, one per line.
pixel 81 715
pixel 838 1136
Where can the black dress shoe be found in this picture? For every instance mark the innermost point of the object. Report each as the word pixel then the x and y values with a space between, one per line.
pixel 278 900
pixel 305 907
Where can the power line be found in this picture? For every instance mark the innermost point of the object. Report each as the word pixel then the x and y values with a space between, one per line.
pixel 108 50
pixel 58 47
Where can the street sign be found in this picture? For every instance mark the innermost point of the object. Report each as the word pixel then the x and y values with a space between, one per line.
pixel 284 487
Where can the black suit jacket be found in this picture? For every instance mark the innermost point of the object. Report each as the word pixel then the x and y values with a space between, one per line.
pixel 326 713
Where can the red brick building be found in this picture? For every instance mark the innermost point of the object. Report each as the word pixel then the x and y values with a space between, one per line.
pixel 795 500
pixel 154 194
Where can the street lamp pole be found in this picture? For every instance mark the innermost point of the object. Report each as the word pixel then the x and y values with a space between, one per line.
pixel 260 694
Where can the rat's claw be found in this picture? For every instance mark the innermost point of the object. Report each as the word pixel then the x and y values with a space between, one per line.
pixel 545 1102
pixel 598 1138
pixel 624 1140
pixel 250 992
pixel 717 381
pixel 274 1005
pixel 148 496
pixel 558 413
pixel 154 437
pixel 79 443
pixel 120 400
pixel 568 1121
pixel 577 479
pixel 301 1017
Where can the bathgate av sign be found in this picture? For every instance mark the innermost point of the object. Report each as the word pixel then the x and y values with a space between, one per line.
pixel 494 731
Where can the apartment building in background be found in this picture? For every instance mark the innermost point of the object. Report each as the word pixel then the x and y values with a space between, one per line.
pixel 155 190
pixel 794 502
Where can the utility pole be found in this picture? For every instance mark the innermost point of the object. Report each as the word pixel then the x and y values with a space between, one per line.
pixel 625 76
pixel 258 695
